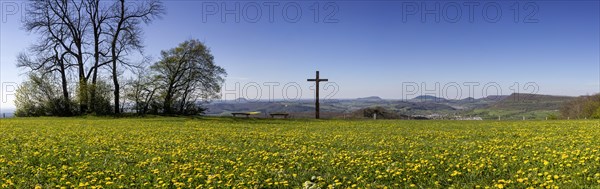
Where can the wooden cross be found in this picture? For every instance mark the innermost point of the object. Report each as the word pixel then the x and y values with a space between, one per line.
pixel 317 80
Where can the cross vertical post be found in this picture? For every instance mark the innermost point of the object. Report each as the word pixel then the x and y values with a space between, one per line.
pixel 317 80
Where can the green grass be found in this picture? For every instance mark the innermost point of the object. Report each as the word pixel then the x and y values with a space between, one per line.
pixel 254 153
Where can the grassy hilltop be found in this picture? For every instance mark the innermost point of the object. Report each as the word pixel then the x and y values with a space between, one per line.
pixel 255 153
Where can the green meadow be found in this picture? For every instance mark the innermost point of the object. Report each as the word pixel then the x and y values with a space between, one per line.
pixel 264 153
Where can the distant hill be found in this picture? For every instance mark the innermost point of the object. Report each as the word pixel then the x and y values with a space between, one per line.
pixel 513 106
pixel 331 106
pixel 263 107
pixel 519 106
pixel 7 115
pixel 495 97
pixel 521 101
pixel 371 98
pixel 429 106
pixel 429 98
pixel 468 99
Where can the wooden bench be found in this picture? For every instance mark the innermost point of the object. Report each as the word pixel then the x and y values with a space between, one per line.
pixel 284 115
pixel 235 114
pixel 247 114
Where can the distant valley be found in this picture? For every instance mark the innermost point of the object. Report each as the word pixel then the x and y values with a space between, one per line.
pixel 514 106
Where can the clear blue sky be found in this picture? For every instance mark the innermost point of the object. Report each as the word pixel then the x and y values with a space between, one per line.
pixel 375 46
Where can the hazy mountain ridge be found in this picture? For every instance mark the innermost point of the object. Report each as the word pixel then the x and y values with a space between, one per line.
pixel 489 107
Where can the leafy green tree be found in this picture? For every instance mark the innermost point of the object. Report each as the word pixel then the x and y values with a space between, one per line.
pixel 142 91
pixel 187 75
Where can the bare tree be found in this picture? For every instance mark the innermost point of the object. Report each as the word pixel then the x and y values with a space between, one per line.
pixel 64 23
pixel 125 34
pixel 87 35
pixel 49 55
pixel 48 63
pixel 98 16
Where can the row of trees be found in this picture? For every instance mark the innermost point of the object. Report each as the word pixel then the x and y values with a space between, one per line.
pixel 582 107
pixel 88 48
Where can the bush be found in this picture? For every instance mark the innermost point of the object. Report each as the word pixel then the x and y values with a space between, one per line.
pixel 552 117
pixel 101 104
pixel 381 113
pixel 597 113
pixel 38 97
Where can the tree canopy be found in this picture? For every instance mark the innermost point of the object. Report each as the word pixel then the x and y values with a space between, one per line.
pixel 83 43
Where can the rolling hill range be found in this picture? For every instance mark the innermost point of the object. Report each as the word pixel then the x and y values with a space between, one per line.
pixel 513 106
pixel 522 106
pixel 339 106
pixel 519 101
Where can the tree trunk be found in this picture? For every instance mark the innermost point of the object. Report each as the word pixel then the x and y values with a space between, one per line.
pixel 116 83
pixel 63 77
pixel 184 98
pixel 95 72
pixel 114 56
pixel 82 80
pixel 148 100
pixel 115 77
pixel 96 22
pixel 167 105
